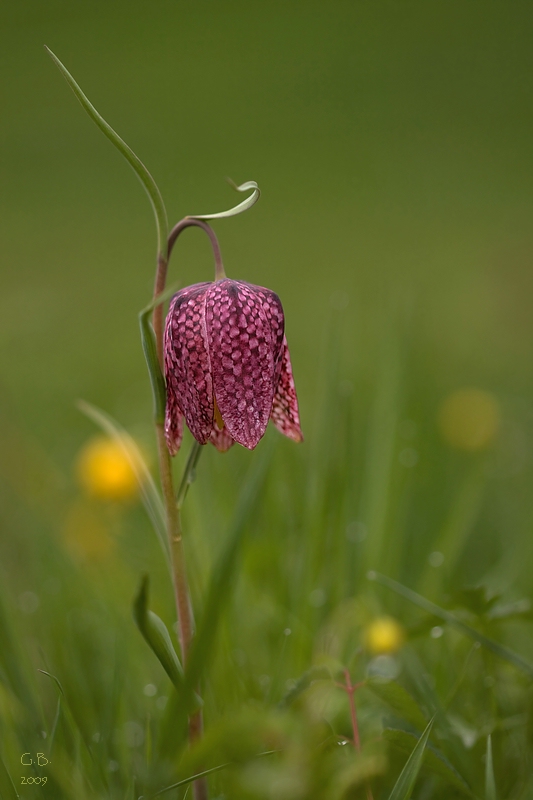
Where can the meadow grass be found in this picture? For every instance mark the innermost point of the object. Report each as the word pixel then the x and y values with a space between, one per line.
pixel 286 548
pixel 392 143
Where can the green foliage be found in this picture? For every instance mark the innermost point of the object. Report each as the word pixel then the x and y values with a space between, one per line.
pixel 490 782
pixel 279 619
pixel 403 787
pixel 433 759
pixel 156 635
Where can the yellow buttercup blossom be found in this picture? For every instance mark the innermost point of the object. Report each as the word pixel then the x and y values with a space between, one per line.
pixel 105 469
pixel 469 419
pixel 384 635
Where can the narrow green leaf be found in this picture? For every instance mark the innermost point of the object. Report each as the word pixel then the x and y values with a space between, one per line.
pixel 203 774
pixel 149 494
pixel 149 346
pixel 398 700
pixel 140 170
pixel 54 725
pixel 190 779
pixel 496 648
pixel 490 783
pixel 7 787
pixel 434 760
pixel 405 783
pixel 422 686
pixel 53 677
pixel 244 206
pixel 157 381
pixel 156 635
pixel 73 731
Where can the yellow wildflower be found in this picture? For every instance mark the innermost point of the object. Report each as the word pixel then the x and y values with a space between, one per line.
pixel 105 469
pixel 384 635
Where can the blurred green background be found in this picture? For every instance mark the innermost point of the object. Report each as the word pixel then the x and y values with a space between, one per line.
pixel 392 142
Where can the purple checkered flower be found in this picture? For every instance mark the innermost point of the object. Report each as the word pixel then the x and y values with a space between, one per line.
pixel 227 366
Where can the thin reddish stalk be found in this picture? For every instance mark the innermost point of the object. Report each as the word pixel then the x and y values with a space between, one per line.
pixel 350 690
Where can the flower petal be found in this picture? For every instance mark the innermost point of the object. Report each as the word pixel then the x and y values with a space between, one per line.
pixel 285 414
pixel 187 363
pixel 173 425
pixel 221 439
pixel 245 326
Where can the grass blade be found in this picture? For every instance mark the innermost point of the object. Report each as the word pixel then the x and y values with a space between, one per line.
pixel 149 494
pixel 490 783
pixel 53 677
pixel 140 170
pixel 496 648
pixel 405 783
pixel 190 779
pixel 434 759
pixel 7 787
pixel 376 493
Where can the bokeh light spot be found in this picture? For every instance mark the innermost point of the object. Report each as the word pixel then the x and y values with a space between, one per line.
pixel 384 635
pixel 469 419
pixel 105 470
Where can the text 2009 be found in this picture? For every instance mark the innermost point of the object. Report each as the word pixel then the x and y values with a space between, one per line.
pixel 31 779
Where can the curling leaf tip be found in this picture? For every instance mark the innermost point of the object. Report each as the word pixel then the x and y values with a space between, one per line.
pixel 238 209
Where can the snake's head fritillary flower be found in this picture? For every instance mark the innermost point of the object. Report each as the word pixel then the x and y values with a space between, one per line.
pixel 227 366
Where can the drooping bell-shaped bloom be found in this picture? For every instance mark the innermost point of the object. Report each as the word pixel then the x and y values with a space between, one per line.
pixel 227 366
